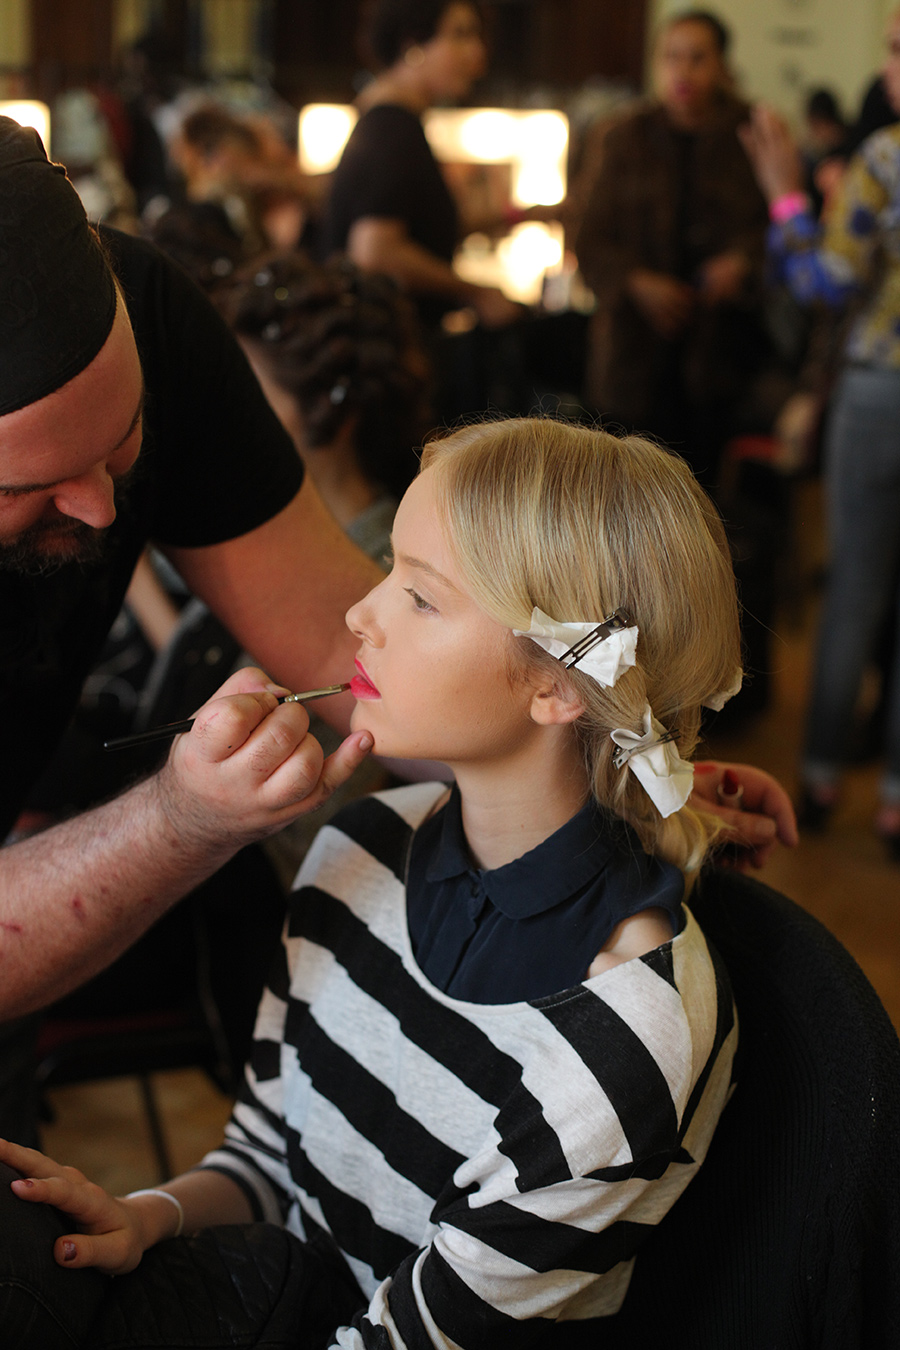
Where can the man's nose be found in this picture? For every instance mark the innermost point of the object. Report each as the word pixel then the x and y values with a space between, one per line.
pixel 89 498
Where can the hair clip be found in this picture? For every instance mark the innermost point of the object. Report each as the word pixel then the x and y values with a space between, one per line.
pixel 602 650
pixel 624 752
pixel 667 779
pixel 614 624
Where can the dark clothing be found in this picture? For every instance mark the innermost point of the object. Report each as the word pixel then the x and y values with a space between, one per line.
pixel 248 1285
pixel 668 202
pixel 215 463
pixel 875 113
pixel 533 927
pixel 388 170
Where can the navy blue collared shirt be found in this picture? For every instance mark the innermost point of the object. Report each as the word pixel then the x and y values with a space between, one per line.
pixel 532 927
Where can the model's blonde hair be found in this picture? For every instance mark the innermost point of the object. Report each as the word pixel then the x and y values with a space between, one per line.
pixel 580 523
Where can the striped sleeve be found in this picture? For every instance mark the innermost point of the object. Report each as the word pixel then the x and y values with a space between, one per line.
pixel 254 1153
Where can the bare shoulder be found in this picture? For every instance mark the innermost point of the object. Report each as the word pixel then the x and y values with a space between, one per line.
pixel 633 937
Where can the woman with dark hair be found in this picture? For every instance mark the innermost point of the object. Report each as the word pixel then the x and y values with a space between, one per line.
pixel 390 209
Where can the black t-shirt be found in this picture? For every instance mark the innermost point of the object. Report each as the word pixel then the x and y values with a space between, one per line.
pixel 214 464
pixel 388 170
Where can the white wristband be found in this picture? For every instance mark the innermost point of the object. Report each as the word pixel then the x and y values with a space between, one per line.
pixel 167 1195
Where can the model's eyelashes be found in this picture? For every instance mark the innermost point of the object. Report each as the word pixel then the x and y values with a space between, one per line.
pixel 421 604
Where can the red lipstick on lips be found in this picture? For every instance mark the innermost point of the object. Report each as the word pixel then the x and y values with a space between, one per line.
pixel 361 686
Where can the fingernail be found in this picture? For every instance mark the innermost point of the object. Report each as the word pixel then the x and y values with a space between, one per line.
pixel 278 689
pixel 366 742
pixel 704 768
pixel 730 782
pixel 26 1181
pixel 69 1251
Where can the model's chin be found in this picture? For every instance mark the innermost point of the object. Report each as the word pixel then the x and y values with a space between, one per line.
pixel 360 720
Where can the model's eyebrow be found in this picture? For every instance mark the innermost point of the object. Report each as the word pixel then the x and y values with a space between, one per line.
pixel 426 568
pixel 39 487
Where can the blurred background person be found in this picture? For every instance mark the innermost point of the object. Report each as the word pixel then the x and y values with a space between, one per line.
pixel 672 245
pixel 854 256
pixel 390 208
pixel 242 193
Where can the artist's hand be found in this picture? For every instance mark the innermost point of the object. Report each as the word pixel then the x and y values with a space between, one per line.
pixel 108 1233
pixel 665 302
pixel 249 766
pixel 771 150
pixel 764 817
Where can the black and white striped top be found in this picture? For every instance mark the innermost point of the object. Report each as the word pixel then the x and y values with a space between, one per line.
pixel 487 1171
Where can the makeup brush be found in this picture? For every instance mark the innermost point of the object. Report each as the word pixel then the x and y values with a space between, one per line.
pixel 176 728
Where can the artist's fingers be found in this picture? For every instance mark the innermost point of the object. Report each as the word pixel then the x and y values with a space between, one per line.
pixel 247 680
pixel 223 726
pixel 339 766
pixel 746 827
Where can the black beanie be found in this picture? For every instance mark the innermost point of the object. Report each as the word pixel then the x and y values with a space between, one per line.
pixel 57 295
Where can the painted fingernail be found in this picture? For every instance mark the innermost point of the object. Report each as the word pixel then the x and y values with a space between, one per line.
pixel 730 782
pixel 26 1181
pixel 704 768
pixel 69 1251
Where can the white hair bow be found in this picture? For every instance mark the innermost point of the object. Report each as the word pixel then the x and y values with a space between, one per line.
pixel 604 651
pixel 666 778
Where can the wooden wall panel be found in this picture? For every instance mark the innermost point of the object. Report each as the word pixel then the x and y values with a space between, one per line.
pixel 559 43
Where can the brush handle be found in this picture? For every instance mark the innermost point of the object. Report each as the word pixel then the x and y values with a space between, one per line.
pixel 170 729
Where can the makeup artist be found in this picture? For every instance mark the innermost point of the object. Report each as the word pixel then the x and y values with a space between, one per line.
pixel 128 413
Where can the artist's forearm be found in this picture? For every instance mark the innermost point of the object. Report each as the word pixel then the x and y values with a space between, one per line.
pixel 75 896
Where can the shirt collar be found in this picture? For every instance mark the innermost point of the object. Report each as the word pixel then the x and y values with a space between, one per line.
pixel 541 878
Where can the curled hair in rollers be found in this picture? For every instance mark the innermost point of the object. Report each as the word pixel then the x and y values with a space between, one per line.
pixel 344 343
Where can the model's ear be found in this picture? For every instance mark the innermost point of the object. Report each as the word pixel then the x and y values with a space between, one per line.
pixel 555 702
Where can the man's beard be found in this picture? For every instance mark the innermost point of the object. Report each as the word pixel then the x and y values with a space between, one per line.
pixel 48 545
pixel 33 555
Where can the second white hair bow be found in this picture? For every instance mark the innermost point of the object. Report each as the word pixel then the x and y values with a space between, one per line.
pixel 603 651
pixel 667 779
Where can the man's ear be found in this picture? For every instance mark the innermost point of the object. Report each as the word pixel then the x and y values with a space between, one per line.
pixel 555 703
